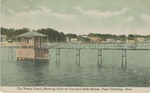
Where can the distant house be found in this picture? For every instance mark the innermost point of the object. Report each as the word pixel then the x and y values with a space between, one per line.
pixel 74 39
pixel 118 41
pixel 131 41
pixel 68 39
pixel 85 36
pixel 110 40
pixel 2 38
pixel 95 39
pixel 140 39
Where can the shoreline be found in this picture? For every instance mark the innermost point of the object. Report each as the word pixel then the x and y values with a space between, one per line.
pixel 8 44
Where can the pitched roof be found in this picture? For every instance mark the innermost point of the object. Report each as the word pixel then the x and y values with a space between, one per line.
pixel 32 34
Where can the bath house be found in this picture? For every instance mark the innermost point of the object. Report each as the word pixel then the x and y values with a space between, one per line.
pixel 33 46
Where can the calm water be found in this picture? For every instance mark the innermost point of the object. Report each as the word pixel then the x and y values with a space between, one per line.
pixel 67 73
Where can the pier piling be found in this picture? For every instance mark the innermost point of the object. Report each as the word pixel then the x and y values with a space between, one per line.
pixel 124 58
pixel 8 53
pixel 58 56
pixel 99 61
pixel 11 53
pixel 78 57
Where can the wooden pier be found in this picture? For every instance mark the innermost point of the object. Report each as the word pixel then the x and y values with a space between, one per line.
pixel 124 59
pixel 78 48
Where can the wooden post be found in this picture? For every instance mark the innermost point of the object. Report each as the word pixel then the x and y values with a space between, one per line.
pixel 124 58
pixel 47 42
pixel 8 52
pixel 57 55
pixel 33 42
pixel 99 61
pixel 40 46
pixel 78 57
pixel 11 53
pixel 33 59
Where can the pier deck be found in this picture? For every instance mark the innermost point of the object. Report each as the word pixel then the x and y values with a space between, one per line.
pixel 98 47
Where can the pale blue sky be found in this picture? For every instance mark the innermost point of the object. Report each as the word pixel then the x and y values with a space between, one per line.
pixel 79 16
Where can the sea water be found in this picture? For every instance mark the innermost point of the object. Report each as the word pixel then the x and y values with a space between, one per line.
pixel 67 73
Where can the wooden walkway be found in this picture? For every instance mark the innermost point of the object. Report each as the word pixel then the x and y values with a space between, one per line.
pixel 100 49
pixel 99 53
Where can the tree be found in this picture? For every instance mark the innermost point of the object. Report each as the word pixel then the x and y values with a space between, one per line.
pixel 122 37
pixel 20 31
pixel 131 37
pixel 62 37
pixel 71 35
pixel 53 35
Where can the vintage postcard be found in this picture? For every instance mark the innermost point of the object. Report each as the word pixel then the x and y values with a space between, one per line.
pixel 53 46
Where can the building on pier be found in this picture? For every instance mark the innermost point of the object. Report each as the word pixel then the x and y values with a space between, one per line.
pixel 95 39
pixel 33 46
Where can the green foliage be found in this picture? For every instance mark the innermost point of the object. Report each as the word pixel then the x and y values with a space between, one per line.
pixel 20 31
pixel 148 37
pixel 11 33
pixel 131 37
pixel 104 37
pixel 53 35
pixel 8 32
pixel 122 37
pixel 71 35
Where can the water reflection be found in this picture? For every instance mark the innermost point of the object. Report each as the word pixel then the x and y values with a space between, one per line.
pixel 40 72
pixel 32 72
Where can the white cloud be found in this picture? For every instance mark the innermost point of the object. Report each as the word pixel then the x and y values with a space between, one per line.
pixel 11 11
pixel 130 19
pixel 97 13
pixel 48 11
pixel 43 17
pixel 145 17
pixel 25 8
pixel 40 12
pixel 34 19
